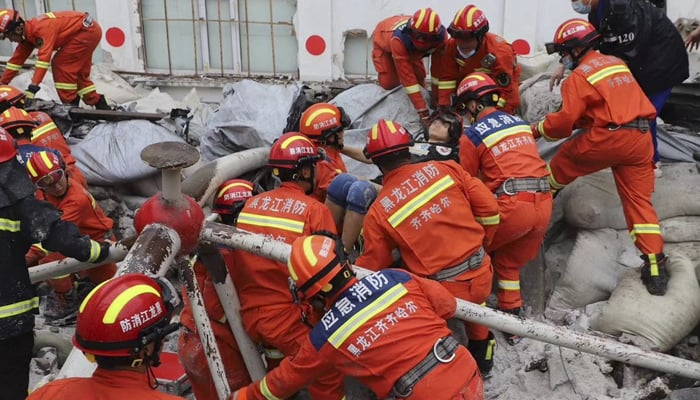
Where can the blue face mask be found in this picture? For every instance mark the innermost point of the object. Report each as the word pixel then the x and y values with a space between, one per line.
pixel 567 62
pixel 580 7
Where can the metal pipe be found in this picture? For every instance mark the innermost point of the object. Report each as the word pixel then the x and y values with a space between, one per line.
pixel 65 266
pixel 153 251
pixel 279 251
pixel 206 334
pixel 171 192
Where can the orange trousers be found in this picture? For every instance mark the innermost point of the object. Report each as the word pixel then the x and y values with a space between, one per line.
pixel 387 75
pixel 629 153
pixel 194 359
pixel 281 327
pixel 476 290
pixel 524 221
pixel 71 66
pixel 456 380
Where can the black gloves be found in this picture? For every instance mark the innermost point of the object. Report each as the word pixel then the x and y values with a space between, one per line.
pixel 104 252
pixel 31 90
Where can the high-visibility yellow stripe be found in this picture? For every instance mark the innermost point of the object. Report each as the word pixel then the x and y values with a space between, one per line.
pixel 18 308
pixel 470 16
pixel 508 285
pixel 51 15
pixel 653 265
pixel 86 90
pixel 36 133
pixel 390 297
pixel 13 67
pixel 271 222
pixel 66 86
pixel 421 16
pixel 92 292
pixel 434 80
pixel 501 102
pixel 489 220
pixel 293 138
pixel 399 23
pixel 309 251
pixel 9 225
pixel 552 181
pixel 606 72
pixel 95 251
pixel 320 111
pixel 123 299
pixel 426 195
pixel 232 185
pixel 493 139
pixel 412 89
pixel 30 167
pixel 265 390
pixel 447 84
pixel 42 64
pixel 644 229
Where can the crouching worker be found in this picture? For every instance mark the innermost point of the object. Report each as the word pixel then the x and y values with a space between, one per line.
pixel 367 329
pixel 345 195
pixel 125 352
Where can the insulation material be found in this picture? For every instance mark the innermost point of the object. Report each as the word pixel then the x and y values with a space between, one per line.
pixel 662 321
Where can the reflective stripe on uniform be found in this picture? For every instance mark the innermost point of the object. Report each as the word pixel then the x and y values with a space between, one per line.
pixel 489 220
pixel 18 308
pixel 86 90
pixel 508 285
pixel 271 222
pixel 36 133
pixel 447 84
pixel 425 196
pixel 412 89
pixel 382 302
pixel 12 67
pixel 51 15
pixel 9 225
pixel 265 390
pixel 66 86
pixel 95 251
pixel 606 72
pixel 552 181
pixel 42 64
pixel 644 229
pixel 493 139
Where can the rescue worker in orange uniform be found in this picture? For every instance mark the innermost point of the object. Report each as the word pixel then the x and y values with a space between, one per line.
pixel 602 97
pixel 121 327
pixel 400 43
pixel 347 197
pixel 229 200
pixel 501 150
pixel 269 313
pixel 472 48
pixel 48 172
pixel 40 129
pixel 72 35
pixel 367 326
pixel 423 201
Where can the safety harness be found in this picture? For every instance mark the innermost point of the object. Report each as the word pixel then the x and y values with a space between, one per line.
pixel 443 352
pixel 513 186
pixel 472 262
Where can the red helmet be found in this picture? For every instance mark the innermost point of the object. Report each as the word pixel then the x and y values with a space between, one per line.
pixel 9 19
pixel 474 87
pixel 8 148
pixel 45 168
pixel 573 33
pixel 425 29
pixel 17 121
pixel 469 22
pixel 11 96
pixel 386 137
pixel 291 151
pixel 314 262
pixel 231 195
pixel 322 120
pixel 122 315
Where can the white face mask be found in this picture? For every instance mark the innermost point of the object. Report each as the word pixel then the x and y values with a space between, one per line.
pixel 467 54
pixel 580 7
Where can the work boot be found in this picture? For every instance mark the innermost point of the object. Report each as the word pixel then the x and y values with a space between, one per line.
pixel 102 104
pixel 512 338
pixel 482 351
pixel 654 275
pixel 58 307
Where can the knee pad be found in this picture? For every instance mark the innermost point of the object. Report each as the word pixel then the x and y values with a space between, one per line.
pixel 338 189
pixel 361 195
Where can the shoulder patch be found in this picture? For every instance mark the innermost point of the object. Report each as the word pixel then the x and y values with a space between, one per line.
pixel 503 79
pixel 488 61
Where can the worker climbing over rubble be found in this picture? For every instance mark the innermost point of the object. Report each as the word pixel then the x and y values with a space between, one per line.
pixel 270 315
pixel 24 220
pixel 602 97
pixel 72 35
pixel 346 196
pixel 400 43
pixel 367 327
pixel 439 218
pixel 121 327
pixel 500 149
pixel 48 172
pixel 472 48
pixel 228 202
pixel 45 133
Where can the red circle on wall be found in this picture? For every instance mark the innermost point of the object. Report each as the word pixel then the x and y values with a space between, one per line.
pixel 521 47
pixel 115 37
pixel 315 45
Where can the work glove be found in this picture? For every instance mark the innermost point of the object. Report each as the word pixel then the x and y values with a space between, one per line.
pixel 104 252
pixel 31 91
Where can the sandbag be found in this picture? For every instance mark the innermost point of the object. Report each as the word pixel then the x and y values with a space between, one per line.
pixel 681 229
pixel 535 64
pixel 593 202
pixel 536 100
pixel 661 321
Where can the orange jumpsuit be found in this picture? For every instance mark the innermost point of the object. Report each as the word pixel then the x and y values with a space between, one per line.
pixel 73 36
pixel 600 96
pixel 397 61
pixel 79 207
pixel 500 147
pixel 495 58
pixel 421 205
pixel 103 385
pixel 268 311
pixel 48 135
pixel 192 354
pixel 399 312
pixel 326 170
